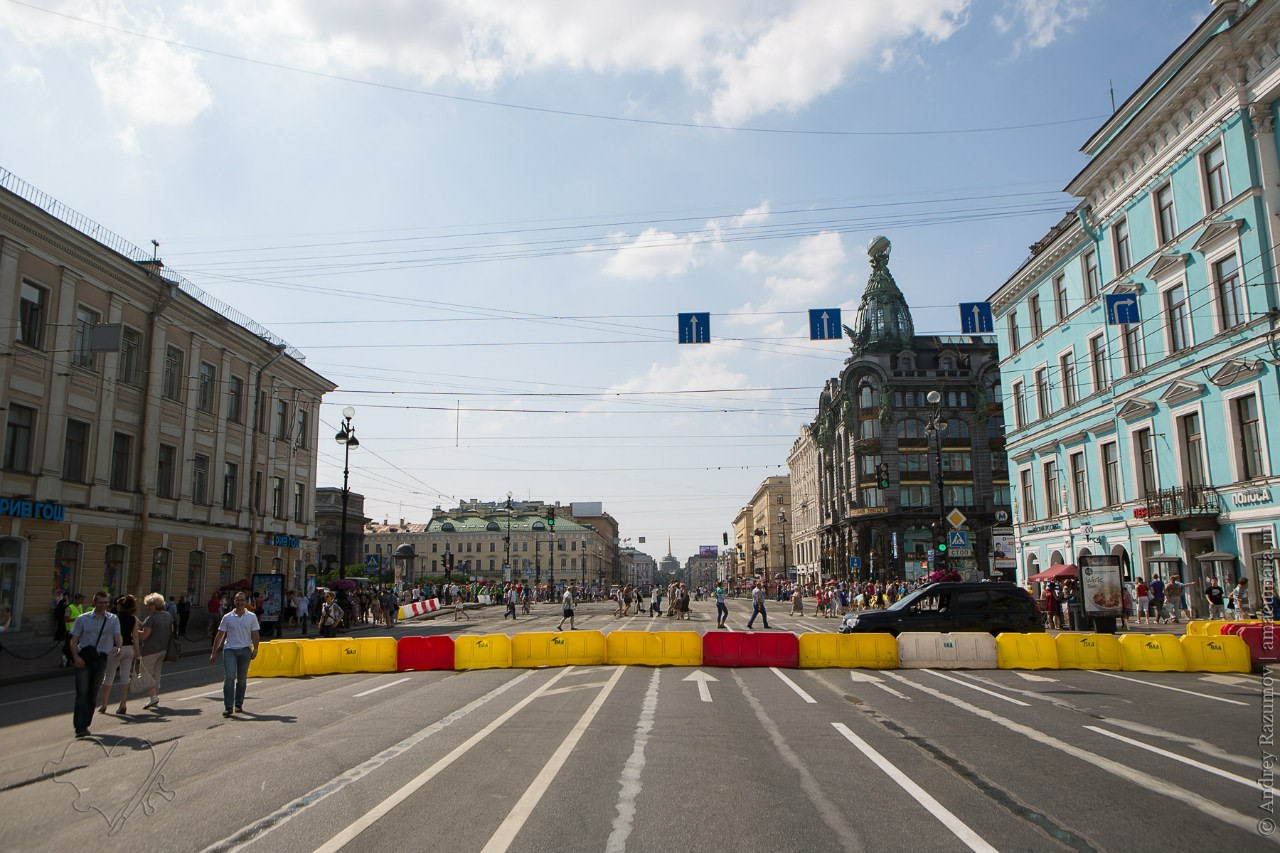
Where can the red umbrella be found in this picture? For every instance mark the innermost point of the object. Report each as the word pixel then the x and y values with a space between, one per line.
pixel 243 583
pixel 1057 572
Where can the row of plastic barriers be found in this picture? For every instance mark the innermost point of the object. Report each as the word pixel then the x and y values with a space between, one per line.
pixel 419 608
pixel 1226 652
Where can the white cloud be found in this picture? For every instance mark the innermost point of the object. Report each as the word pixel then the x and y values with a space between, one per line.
pixel 654 254
pixel 25 75
pixel 1042 21
pixel 152 83
pixel 795 281
pixel 694 367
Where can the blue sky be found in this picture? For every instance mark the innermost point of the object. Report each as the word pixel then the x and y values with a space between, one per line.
pixel 479 219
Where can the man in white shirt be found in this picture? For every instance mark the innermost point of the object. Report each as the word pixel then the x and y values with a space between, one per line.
pixel 567 601
pixel 238 637
pixel 300 605
pixel 757 606
pixel 512 599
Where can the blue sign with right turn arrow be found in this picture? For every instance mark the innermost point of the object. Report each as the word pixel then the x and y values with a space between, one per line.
pixel 1122 309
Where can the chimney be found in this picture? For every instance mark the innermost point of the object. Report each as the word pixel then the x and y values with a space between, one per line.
pixel 402 522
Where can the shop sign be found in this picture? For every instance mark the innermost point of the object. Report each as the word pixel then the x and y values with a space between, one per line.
pixel 1252 497
pixel 42 510
pixel 1140 512
pixel 1044 528
pixel 280 540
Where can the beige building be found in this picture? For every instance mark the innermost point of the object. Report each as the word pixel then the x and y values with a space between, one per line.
pixel 804 543
pixel 154 439
pixel 762 533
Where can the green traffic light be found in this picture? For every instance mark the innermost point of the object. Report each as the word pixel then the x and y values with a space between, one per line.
pixel 942 546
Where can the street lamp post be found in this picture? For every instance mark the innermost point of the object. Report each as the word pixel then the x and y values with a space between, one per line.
pixel 347 438
pixel 936 426
pixel 584 560
pixel 506 565
pixel 782 550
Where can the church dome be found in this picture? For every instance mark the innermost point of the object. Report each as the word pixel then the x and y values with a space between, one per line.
pixel 884 320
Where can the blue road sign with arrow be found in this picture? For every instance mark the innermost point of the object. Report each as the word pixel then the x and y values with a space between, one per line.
pixel 824 324
pixel 1122 309
pixel 855 562
pixel 694 327
pixel 975 318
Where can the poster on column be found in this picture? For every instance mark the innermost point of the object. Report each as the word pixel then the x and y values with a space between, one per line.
pixel 271 588
pixel 1100 584
pixel 1002 553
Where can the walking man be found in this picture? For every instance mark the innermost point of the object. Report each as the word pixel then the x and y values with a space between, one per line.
pixel 93 636
pixel 512 599
pixel 722 609
pixel 238 636
pixel 757 606
pixel 330 615
pixel 1214 595
pixel 567 601
pixel 301 610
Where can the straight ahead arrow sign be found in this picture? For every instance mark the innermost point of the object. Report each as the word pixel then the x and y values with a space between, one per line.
pixel 704 692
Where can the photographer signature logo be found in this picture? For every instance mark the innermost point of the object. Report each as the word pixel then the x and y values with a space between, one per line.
pixel 113 780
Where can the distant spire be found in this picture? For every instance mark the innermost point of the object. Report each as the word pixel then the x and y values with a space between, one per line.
pixel 669 554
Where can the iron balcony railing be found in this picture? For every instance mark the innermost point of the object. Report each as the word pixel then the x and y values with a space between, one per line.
pixel 1183 501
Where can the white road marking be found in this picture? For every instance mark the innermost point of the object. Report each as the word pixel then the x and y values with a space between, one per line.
pixel 1001 696
pixel 251 833
pixel 37 698
pixel 1167 687
pixel 796 687
pixel 704 692
pixel 217 692
pixel 957 827
pixel 1026 676
pixel 1231 680
pixel 629 783
pixel 868 678
pixel 1173 756
pixel 381 687
pixel 1146 781
pixel 515 820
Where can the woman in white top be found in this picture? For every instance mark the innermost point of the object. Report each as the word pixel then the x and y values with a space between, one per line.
pixel 238 636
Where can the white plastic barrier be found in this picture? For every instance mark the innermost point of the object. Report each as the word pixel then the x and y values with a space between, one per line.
pixel 418 608
pixel 930 650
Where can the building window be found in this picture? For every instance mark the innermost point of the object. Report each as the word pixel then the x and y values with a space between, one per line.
pixel 915 495
pixel 1098 362
pixel 282 418
pixel 1079 482
pixel 1247 428
pixel 299 504
pixel 1051 487
pixel 1226 274
pixel 200 479
pixel 957 462
pixel 277 497
pixel 208 388
pixel 1111 473
pixel 121 461
pixel 75 451
pixel 1131 337
pixel 160 559
pixel 235 400
pixel 301 428
pixel 172 389
pixel 1092 276
pixel 1019 406
pixel 1043 406
pixel 1028 495
pixel 81 352
pixel 165 470
pixel 260 412
pixel 257 491
pixel 1175 312
pixel 195 577
pixel 1145 452
pixel 31 315
pixel 19 429
pixel 130 363
pixel 1014 343
pixel 1067 370
pixel 1215 177
pixel 1120 235
pixel 1166 230
pixel 230 485
pixel 226 568
pixel 1060 297
pixel 1037 317
pixel 1192 440
pixel 66 567
pixel 957 494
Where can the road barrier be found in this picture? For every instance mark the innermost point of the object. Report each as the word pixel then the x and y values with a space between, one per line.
pixel 423 653
pixel 847 651
pixel 1215 627
pixel 558 648
pixel 740 648
pixel 489 651
pixel 1224 653
pixel 932 650
pixel 419 608
pixel 1152 653
pixel 1026 651
pixel 1263 642
pixel 654 648
pixel 348 654
pixel 277 659
pixel 1089 651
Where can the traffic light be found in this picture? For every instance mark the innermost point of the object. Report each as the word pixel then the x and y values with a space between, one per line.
pixel 939 544
pixel 726 538
pixel 448 565
pixel 551 518
pixel 882 475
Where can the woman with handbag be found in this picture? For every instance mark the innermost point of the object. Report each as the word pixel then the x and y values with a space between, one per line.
pixel 122 661
pixel 154 634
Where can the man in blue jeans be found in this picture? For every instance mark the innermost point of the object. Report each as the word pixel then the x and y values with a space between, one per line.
pixel 238 637
pixel 757 606
pixel 92 637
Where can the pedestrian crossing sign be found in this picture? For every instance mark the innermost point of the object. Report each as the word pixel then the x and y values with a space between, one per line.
pixel 958 539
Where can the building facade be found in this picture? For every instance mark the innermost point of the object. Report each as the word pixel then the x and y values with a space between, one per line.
pixel 329 527
pixel 891 461
pixel 1145 438
pixel 154 439
pixel 762 533
pixel 806 546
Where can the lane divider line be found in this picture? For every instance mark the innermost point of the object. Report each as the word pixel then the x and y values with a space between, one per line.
pixel 796 687
pixel 629 781
pixel 381 687
pixel 1167 687
pixel 515 820
pixel 217 692
pixel 1190 762
pixel 958 828
pixel 1008 699
pixel 1146 781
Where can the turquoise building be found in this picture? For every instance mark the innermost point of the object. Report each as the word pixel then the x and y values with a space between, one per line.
pixel 1148 439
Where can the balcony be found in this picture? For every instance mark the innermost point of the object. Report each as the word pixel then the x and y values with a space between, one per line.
pixel 1183 508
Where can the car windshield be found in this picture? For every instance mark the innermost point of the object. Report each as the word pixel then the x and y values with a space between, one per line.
pixel 906 601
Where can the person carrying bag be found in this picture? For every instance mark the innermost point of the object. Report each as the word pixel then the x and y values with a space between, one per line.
pixel 330 616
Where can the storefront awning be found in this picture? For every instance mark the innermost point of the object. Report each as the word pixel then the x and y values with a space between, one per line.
pixel 1053 573
pixel 1164 558
pixel 1216 557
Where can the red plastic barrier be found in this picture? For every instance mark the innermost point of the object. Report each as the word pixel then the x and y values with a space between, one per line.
pixel 741 648
pixel 421 653
pixel 1235 627
pixel 1263 642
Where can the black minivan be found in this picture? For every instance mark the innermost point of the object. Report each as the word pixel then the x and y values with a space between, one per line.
pixel 985 606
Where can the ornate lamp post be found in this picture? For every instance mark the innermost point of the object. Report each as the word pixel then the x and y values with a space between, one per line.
pixel 347 438
pixel 506 565
pixel 936 426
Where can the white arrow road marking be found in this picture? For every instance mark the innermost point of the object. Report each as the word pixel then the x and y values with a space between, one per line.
pixel 1168 687
pixel 796 687
pixel 1230 680
pixel 1208 768
pixel 977 688
pixel 868 678
pixel 1029 677
pixel 704 692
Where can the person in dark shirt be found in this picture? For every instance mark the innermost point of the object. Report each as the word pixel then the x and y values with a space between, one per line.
pixel 1214 595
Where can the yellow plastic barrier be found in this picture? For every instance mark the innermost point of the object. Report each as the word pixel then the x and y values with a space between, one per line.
pixel 1213 627
pixel 848 651
pixel 1026 651
pixel 1226 653
pixel 490 651
pixel 559 648
pixel 1088 651
pixel 329 655
pixel 1151 653
pixel 1196 627
pixel 654 648
pixel 277 659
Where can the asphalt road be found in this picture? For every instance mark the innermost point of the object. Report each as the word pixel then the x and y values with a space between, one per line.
pixel 612 758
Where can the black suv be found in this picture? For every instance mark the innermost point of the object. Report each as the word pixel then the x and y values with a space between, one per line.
pixel 991 607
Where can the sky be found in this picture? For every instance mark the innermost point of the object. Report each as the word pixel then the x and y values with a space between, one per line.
pixel 480 218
